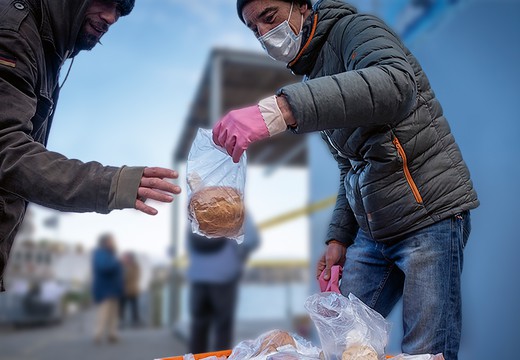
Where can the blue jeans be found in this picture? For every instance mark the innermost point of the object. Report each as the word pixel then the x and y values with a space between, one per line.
pixel 424 267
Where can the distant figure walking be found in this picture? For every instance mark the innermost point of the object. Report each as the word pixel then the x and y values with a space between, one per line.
pixel 107 288
pixel 130 297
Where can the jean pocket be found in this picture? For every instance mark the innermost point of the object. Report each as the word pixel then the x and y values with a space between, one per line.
pixel 463 222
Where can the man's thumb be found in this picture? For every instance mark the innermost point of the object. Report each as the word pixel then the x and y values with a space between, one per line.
pixel 326 272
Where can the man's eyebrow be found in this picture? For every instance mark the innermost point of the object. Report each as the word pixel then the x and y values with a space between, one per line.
pixel 262 14
pixel 266 10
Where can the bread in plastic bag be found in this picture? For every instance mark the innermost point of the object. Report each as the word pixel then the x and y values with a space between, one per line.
pixel 348 329
pixel 215 189
pixel 275 345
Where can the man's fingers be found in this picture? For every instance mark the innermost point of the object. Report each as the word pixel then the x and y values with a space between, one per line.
pixel 326 273
pixel 148 193
pixel 215 134
pixel 153 187
pixel 237 153
pixel 320 266
pixel 159 184
pixel 159 172
pixel 141 206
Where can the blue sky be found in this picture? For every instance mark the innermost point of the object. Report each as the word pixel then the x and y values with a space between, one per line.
pixel 125 101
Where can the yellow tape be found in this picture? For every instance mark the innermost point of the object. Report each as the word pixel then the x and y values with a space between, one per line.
pixel 291 215
pixel 278 263
pixel 182 262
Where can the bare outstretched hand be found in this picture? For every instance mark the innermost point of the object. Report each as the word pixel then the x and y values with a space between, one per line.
pixel 154 185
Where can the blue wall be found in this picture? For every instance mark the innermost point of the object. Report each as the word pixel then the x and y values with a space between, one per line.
pixel 472 59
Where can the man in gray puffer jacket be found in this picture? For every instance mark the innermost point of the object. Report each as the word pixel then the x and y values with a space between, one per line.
pixel 36 38
pixel 401 219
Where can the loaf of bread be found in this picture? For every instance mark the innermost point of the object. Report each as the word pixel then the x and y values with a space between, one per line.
pixel 218 210
pixel 271 341
pixel 359 352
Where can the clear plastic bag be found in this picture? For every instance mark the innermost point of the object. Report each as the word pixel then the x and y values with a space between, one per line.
pixel 275 345
pixel 418 357
pixel 215 189
pixel 348 329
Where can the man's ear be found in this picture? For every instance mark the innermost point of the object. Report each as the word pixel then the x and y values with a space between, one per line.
pixel 303 8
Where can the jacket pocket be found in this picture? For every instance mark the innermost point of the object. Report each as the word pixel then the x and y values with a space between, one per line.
pixel 406 171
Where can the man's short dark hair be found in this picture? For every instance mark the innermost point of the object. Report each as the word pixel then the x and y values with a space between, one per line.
pixel 242 3
pixel 125 6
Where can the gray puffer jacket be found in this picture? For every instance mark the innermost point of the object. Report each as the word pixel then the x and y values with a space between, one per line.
pixel 401 169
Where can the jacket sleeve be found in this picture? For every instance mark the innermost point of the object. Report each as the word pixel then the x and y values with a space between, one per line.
pixel 377 88
pixel 251 235
pixel 343 226
pixel 27 168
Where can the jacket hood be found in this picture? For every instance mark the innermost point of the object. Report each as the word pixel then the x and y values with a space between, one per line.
pixel 60 23
pixel 326 14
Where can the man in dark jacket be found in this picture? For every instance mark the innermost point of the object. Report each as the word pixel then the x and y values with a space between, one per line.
pixel 401 219
pixel 36 38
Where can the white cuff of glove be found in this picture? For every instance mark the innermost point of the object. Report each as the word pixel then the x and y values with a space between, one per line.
pixel 272 115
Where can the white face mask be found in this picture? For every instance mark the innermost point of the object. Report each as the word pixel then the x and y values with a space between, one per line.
pixel 281 43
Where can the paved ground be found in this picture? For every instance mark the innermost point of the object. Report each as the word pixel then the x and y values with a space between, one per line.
pixel 73 340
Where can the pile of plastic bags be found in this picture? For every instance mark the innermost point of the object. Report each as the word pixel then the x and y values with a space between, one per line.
pixel 347 328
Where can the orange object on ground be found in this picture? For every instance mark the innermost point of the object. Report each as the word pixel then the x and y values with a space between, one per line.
pixel 225 353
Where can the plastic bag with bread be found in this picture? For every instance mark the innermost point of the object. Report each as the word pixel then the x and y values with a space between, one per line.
pixel 276 345
pixel 348 329
pixel 215 190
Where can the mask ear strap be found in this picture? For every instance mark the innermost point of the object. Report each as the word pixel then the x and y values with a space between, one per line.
pixel 290 12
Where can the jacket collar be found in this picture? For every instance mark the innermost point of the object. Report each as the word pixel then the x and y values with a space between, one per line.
pixel 316 32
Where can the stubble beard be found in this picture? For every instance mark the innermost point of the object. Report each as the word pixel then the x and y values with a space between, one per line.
pixel 87 40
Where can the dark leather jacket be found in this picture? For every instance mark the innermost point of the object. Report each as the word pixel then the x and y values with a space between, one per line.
pixel 36 37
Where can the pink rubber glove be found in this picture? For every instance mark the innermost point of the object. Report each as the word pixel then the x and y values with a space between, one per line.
pixel 333 283
pixel 239 128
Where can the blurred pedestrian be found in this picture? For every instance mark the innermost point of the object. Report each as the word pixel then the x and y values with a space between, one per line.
pixel 36 38
pixel 130 297
pixel 401 219
pixel 107 288
pixel 214 271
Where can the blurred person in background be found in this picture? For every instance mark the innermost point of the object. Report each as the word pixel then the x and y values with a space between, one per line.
pixel 401 219
pixel 130 297
pixel 107 288
pixel 36 38
pixel 214 271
